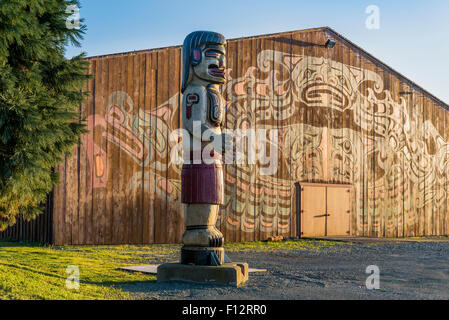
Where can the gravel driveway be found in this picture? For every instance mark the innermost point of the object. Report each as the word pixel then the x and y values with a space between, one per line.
pixel 410 270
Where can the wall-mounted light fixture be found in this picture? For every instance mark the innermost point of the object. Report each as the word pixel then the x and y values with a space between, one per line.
pixel 330 43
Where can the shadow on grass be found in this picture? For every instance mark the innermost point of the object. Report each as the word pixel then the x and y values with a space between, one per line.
pixel 107 283
pixel 32 270
pixel 11 244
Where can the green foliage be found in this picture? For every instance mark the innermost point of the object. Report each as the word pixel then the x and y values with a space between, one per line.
pixel 40 96
pixel 39 273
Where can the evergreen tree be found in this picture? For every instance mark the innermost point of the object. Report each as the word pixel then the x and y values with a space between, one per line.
pixel 40 95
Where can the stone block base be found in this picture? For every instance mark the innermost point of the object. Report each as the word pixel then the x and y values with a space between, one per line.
pixel 234 274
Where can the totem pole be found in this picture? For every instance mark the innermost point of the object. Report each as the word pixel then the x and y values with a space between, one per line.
pixel 202 256
pixel 202 173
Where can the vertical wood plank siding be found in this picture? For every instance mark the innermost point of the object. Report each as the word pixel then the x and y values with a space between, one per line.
pixel 341 116
pixel 39 230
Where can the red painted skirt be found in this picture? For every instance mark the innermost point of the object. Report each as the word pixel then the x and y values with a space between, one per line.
pixel 202 183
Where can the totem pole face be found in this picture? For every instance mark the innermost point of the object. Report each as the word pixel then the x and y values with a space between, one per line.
pixel 211 63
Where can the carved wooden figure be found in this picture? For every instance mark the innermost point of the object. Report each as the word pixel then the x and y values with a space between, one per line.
pixel 203 141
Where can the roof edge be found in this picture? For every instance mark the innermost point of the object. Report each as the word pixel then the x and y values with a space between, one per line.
pixel 334 33
pixel 231 40
pixel 375 60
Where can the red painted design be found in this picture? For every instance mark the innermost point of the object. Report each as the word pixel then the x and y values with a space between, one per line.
pixel 97 158
pixel 192 99
pixel 211 54
pixel 196 54
pixel 202 183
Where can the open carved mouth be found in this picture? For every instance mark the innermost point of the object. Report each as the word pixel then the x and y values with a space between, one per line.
pixel 216 71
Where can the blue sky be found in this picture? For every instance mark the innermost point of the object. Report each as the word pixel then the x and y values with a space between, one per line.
pixel 413 37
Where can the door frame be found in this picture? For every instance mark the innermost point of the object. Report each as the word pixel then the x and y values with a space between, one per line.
pixel 299 188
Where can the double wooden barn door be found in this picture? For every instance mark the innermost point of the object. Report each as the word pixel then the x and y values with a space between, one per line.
pixel 325 210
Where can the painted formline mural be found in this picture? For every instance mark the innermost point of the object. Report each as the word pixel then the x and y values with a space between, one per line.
pixel 358 134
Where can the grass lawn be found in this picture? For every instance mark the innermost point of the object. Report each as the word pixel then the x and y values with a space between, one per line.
pixel 39 272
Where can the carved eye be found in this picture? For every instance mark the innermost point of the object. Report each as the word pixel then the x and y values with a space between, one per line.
pixel 212 54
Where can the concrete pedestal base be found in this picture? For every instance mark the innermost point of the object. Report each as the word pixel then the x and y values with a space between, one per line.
pixel 235 273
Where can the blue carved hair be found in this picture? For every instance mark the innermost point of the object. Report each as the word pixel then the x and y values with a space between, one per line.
pixel 192 41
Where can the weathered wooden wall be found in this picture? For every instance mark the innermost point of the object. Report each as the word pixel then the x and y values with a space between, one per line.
pixel 39 230
pixel 340 117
